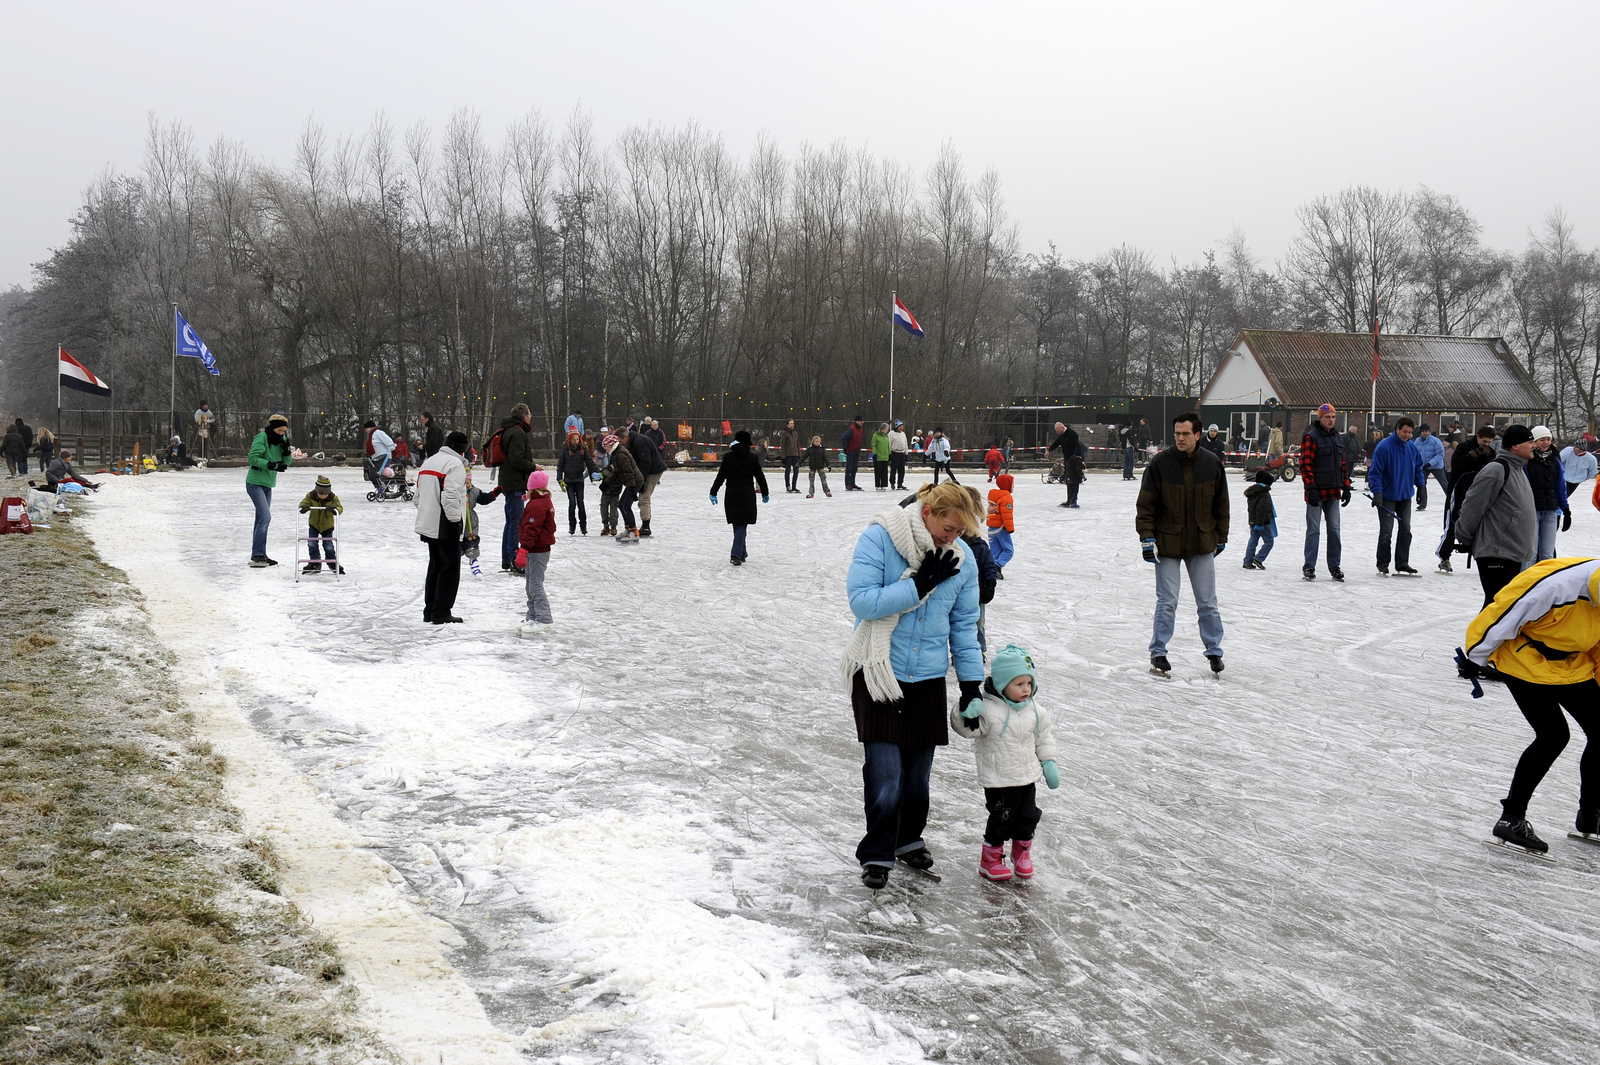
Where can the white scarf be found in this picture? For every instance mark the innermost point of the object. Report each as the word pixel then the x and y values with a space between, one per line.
pixel 868 649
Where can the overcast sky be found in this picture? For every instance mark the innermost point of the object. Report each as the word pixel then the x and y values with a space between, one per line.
pixel 1160 125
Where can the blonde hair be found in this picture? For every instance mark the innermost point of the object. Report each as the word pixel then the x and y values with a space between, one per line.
pixel 950 498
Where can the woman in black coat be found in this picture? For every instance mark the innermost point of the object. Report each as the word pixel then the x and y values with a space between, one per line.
pixel 741 470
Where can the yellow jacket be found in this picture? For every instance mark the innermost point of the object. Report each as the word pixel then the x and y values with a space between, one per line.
pixel 1543 627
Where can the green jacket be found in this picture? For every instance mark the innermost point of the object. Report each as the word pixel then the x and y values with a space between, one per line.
pixel 261 453
pixel 880 446
pixel 321 520
pixel 1183 503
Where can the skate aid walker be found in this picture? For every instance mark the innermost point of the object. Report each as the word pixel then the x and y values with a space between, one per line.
pixel 330 542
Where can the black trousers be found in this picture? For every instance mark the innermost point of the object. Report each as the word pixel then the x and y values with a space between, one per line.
pixel 852 459
pixel 880 473
pixel 945 466
pixel 1013 814
pixel 1072 492
pixel 791 473
pixel 629 495
pixel 897 469
pixel 444 570
pixel 1542 704
pixel 1494 574
pixel 577 513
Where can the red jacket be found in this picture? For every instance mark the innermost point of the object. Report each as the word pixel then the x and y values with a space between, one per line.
pixel 993 458
pixel 538 529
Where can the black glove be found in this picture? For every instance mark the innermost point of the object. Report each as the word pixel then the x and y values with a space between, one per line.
pixel 1220 549
pixel 1566 520
pixel 971 691
pixel 937 567
pixel 1344 496
pixel 1470 671
pixel 1374 500
pixel 276 466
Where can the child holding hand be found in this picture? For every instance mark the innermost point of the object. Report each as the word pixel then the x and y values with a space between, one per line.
pixel 1015 743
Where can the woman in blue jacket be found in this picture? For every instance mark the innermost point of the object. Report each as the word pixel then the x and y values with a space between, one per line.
pixel 913 588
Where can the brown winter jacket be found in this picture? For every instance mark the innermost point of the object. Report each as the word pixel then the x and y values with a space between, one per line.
pixel 1183 503
pixel 627 470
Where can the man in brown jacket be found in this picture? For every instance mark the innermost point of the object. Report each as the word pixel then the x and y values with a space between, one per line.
pixel 1183 524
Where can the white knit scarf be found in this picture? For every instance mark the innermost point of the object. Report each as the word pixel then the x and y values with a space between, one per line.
pixel 868 650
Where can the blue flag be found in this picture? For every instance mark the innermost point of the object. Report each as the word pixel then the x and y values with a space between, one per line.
pixel 191 346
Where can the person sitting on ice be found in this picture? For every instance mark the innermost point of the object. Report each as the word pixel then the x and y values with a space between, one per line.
pixel 61 472
pixel 1016 742
pixel 320 504
pixel 177 454
pixel 1541 635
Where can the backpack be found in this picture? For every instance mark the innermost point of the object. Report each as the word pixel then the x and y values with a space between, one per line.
pixel 494 449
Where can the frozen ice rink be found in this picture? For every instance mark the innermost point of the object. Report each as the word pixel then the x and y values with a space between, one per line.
pixel 642 822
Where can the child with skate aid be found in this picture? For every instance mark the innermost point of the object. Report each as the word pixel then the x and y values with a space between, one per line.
pixel 321 504
pixel 1015 742
pixel 536 535
pixel 1263 519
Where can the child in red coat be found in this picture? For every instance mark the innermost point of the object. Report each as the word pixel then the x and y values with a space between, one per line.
pixel 994 459
pixel 536 534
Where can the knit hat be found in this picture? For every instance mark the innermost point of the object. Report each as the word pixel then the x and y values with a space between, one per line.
pixel 1327 408
pixel 277 419
pixel 323 482
pixel 1265 476
pixel 1542 431
pixel 742 437
pixel 1514 435
pixel 1004 482
pixel 1009 663
pixel 609 442
pixel 457 442
pixel 538 480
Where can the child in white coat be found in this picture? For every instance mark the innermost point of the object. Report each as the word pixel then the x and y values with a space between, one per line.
pixel 1015 742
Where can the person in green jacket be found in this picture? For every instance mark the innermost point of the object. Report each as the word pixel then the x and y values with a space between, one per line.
pixel 880 458
pixel 270 455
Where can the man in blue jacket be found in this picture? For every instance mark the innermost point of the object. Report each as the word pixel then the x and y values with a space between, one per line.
pixel 1431 450
pixel 1394 476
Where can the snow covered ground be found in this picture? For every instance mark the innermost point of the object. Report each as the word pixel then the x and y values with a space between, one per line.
pixel 642 823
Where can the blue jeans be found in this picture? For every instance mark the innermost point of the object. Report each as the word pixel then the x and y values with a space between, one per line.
pixel 261 496
pixel 316 542
pixel 738 542
pixel 1549 522
pixel 1259 534
pixel 508 535
pixel 1203 580
pixel 1315 513
pixel 1128 455
pixel 895 782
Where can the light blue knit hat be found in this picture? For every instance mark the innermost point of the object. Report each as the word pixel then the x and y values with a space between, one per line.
pixel 1009 663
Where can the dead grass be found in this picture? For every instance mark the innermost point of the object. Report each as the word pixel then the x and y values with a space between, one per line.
pixel 136 923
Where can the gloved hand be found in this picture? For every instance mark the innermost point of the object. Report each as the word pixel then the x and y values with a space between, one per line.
pixel 1148 547
pixel 1344 496
pixel 276 466
pixel 1220 549
pixel 937 567
pixel 764 498
pixel 1373 498
pixel 595 476
pixel 1471 671
pixel 971 699
pixel 1566 520
pixel 305 510
pixel 713 500
pixel 1052 775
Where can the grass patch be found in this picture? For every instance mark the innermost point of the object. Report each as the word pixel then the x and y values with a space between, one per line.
pixel 136 923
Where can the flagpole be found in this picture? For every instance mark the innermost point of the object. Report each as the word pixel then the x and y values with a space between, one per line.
pixel 60 429
pixel 893 300
pixel 172 396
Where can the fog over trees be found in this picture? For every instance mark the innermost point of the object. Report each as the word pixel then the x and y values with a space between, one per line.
pixel 463 269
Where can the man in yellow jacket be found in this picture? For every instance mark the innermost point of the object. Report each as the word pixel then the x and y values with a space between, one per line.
pixel 1541 634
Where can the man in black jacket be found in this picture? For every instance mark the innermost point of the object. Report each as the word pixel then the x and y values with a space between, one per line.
pixel 1067 440
pixel 1182 521
pixel 26 432
pixel 651 465
pixel 432 436
pixel 516 437
pixel 1469 458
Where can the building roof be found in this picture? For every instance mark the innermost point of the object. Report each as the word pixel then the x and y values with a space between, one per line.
pixel 1416 373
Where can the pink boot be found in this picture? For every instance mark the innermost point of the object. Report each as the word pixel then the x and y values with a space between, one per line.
pixel 1022 857
pixel 992 865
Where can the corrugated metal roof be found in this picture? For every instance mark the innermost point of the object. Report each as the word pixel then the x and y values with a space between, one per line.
pixel 1418 373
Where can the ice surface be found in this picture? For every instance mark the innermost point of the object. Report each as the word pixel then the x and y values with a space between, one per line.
pixel 642 822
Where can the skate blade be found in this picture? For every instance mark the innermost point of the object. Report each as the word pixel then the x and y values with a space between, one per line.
pixel 1524 852
pixel 1593 839
pixel 929 873
pixel 1164 674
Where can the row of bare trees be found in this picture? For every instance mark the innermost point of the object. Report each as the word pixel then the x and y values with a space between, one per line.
pixel 396 271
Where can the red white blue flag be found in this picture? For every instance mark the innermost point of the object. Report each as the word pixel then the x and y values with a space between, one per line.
pixel 76 375
pixel 906 318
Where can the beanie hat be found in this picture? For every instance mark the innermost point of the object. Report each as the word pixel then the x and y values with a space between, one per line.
pixel 456 441
pixel 1265 476
pixel 1327 408
pixel 277 419
pixel 538 480
pixel 323 482
pixel 1009 663
pixel 1514 435
pixel 1004 482
pixel 609 442
pixel 1542 431
pixel 742 437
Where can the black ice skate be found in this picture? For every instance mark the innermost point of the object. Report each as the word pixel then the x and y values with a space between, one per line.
pixel 1159 665
pixel 1216 663
pixel 1308 574
pixel 1587 826
pixel 875 877
pixel 1519 833
pixel 921 861
pixel 1337 575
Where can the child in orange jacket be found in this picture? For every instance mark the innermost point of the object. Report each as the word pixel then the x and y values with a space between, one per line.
pixel 536 534
pixel 1002 520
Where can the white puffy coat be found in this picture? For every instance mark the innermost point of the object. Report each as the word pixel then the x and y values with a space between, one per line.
pixel 1011 742
pixel 441 490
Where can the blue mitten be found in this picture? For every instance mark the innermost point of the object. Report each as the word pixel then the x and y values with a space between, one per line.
pixel 764 498
pixel 713 500
pixel 595 476
pixel 1052 775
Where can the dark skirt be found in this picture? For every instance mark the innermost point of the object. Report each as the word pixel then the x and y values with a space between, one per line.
pixel 919 718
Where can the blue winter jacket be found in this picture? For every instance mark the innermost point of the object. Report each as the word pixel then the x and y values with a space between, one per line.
pixel 1395 470
pixel 929 634
pixel 1431 450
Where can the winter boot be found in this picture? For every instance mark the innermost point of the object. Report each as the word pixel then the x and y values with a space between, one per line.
pixel 311 567
pixel 1519 833
pixel 1444 566
pixel 1216 663
pixel 1588 822
pixel 1307 573
pixel 875 877
pixel 992 864
pixel 259 562
pixel 1022 857
pixel 1337 575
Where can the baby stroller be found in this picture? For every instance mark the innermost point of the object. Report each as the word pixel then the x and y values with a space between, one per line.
pixel 394 484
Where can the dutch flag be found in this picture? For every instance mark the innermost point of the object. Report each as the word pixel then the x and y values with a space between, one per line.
pixel 76 375
pixel 906 318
